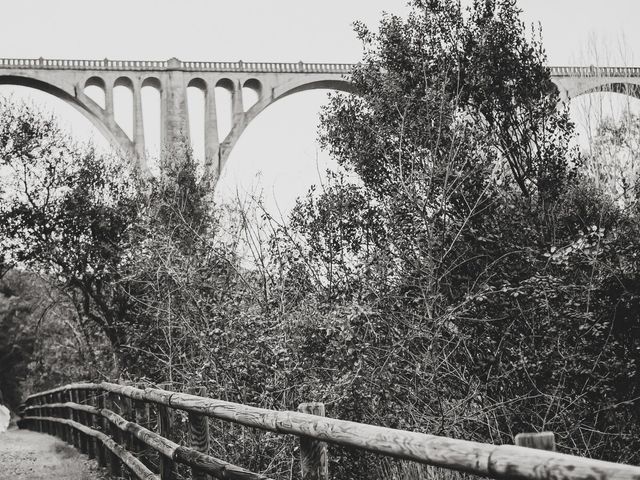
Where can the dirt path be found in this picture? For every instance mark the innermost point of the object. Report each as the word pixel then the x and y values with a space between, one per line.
pixel 26 455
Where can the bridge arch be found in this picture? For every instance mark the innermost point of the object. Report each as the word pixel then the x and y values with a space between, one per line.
pixel 277 156
pixel 277 93
pixel 151 82
pixel 123 81
pixel 198 82
pixel 95 81
pixel 572 87
pixel 630 89
pixel 81 102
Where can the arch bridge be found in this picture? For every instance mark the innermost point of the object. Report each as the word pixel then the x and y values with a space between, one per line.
pixel 67 79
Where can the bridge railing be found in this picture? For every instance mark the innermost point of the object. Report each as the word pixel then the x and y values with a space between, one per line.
pixel 113 423
pixel 174 64
pixel 606 72
pixel 261 67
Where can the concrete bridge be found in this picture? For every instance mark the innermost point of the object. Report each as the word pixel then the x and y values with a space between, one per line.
pixel 68 79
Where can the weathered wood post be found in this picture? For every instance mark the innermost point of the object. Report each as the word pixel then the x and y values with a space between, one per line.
pixel 87 419
pixel 540 441
pixel 64 429
pixel 46 426
pixel 103 452
pixel 114 462
pixel 75 440
pixel 41 413
pixel 313 454
pixel 45 413
pixel 198 433
pixel 59 428
pixel 54 412
pixel 82 418
pixel 127 414
pixel 22 424
pixel 38 413
pixel 81 443
pixel 30 424
pixel 37 402
pixel 164 429
pixel 141 417
pixel 50 425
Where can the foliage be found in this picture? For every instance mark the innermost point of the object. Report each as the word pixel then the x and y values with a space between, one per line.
pixel 65 211
pixel 43 344
pixel 614 162
pixel 471 256
pixel 461 275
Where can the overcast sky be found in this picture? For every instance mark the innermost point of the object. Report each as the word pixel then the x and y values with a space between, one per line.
pixel 280 143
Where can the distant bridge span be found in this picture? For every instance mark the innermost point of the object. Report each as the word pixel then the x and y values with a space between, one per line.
pixel 67 79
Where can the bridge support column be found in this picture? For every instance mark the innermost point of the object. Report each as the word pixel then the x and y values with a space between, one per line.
pixel 138 128
pixel 212 142
pixel 108 101
pixel 237 107
pixel 175 114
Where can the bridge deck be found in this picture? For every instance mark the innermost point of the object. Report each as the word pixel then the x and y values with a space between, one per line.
pixel 27 455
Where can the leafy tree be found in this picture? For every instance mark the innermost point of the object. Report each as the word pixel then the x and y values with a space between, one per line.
pixel 65 211
pixel 470 249
pixel 614 160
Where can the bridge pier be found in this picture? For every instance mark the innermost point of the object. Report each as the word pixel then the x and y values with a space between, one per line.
pixel 212 142
pixel 138 127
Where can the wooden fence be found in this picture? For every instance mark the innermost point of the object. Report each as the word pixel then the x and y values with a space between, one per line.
pixel 84 414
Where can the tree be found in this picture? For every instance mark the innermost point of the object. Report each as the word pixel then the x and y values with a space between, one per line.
pixel 65 211
pixel 614 160
pixel 471 248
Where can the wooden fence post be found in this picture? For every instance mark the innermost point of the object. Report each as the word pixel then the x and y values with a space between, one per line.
pixel 66 414
pixel 114 462
pixel 62 429
pixel 96 444
pixel 164 429
pixel 541 441
pixel 141 414
pixel 75 439
pixel 198 433
pixel 313 454
pixel 87 419
pixel 37 402
pixel 83 419
pixel 55 412
pixel 76 418
pixel 38 413
pixel 47 413
pixel 127 414
pixel 103 452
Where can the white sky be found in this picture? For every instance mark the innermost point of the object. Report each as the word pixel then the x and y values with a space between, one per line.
pixel 280 143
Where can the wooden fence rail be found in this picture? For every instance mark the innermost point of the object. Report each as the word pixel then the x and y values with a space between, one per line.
pixel 79 414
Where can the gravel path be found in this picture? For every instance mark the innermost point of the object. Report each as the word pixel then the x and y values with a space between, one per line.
pixel 27 455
